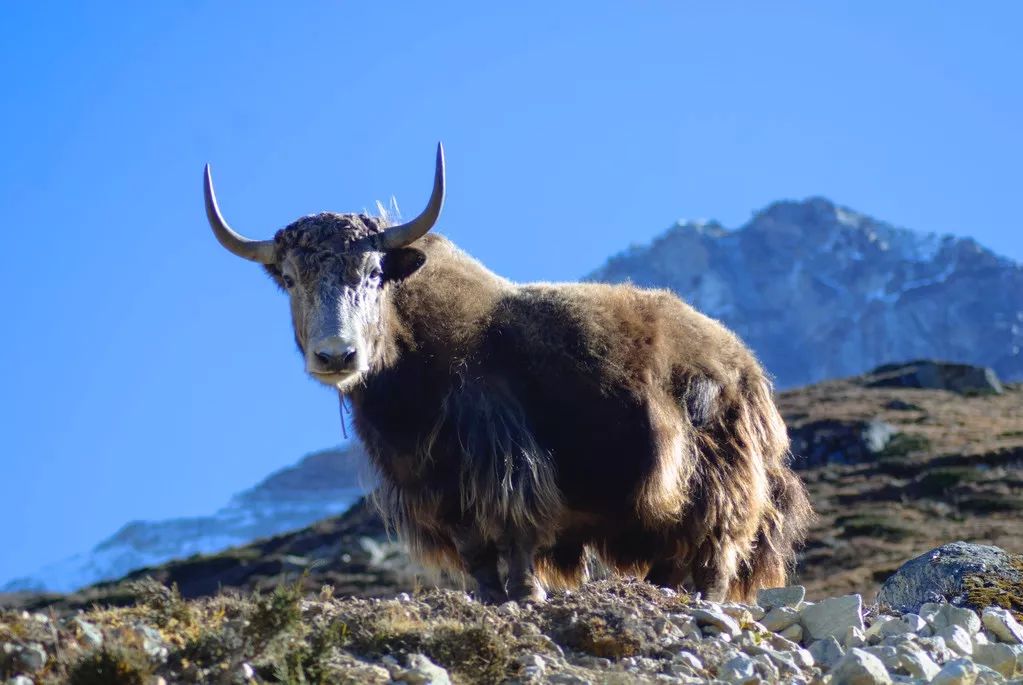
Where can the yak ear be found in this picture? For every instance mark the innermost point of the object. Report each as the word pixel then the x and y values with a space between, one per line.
pixel 402 262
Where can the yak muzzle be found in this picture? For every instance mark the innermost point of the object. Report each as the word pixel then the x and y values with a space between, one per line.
pixel 335 357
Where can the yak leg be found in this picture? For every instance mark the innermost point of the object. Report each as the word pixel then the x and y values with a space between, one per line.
pixel 480 557
pixel 519 551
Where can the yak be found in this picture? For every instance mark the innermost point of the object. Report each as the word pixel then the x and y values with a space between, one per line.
pixel 519 429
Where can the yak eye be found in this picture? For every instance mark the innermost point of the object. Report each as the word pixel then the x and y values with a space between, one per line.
pixel 289 282
pixel 376 274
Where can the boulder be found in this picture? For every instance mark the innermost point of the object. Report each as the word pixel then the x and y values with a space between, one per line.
pixel 960 573
pixel 833 441
pixel 936 375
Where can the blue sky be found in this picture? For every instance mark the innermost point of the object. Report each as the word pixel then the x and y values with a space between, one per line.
pixel 148 374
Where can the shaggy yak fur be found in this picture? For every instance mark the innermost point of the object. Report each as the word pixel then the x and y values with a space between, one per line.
pixel 515 427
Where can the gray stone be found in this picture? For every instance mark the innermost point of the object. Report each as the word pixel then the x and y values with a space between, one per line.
pixel 718 619
pixel 794 632
pixel 854 637
pixel 738 669
pixel 942 575
pixel 957 672
pixel 772 598
pixel 777 620
pixel 996 656
pixel 832 617
pixel 858 667
pixel 31 657
pixel 826 652
pixel 1003 624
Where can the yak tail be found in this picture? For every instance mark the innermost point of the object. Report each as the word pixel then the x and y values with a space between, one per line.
pixel 787 517
pixel 773 556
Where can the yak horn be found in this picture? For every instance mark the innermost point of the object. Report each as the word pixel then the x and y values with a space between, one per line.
pixel 261 251
pixel 400 236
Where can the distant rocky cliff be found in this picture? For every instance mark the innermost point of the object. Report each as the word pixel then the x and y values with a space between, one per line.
pixel 820 291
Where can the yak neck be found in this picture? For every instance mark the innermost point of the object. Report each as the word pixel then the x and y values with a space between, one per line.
pixel 441 310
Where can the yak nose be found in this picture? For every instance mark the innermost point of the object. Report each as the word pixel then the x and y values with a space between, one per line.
pixel 335 358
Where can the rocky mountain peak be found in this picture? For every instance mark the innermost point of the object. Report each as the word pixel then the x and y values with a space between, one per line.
pixel 822 291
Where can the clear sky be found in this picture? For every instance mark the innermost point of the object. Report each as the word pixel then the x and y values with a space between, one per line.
pixel 147 373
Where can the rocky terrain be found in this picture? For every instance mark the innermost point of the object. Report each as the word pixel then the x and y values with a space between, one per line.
pixel 611 631
pixel 821 291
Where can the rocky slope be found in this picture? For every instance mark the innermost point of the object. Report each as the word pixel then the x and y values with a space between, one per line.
pixel 892 471
pixel 322 484
pixel 617 631
pixel 820 291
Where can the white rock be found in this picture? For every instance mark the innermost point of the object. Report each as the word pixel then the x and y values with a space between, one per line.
pixel 957 639
pixel 917 624
pixel 92 635
pixel 1003 624
pixel 789 596
pixel 718 619
pixel 873 633
pixel 826 652
pixel 738 669
pixel 957 672
pixel 858 667
pixel 917 663
pixel 854 637
pixel 888 655
pixel 690 660
pixel 20 680
pixel 422 671
pixel 247 671
pixel 832 617
pixel 949 615
pixel 997 656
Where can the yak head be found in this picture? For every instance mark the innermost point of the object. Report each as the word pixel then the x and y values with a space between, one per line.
pixel 336 269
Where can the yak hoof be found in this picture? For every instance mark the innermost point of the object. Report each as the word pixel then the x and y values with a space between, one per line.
pixel 491 595
pixel 532 592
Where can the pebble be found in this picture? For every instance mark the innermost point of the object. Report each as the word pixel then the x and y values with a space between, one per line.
pixel 773 598
pixel 20 680
pixel 1003 624
pixel 832 617
pixel 859 667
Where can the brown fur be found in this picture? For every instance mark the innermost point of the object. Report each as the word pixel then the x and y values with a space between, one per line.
pixel 526 424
